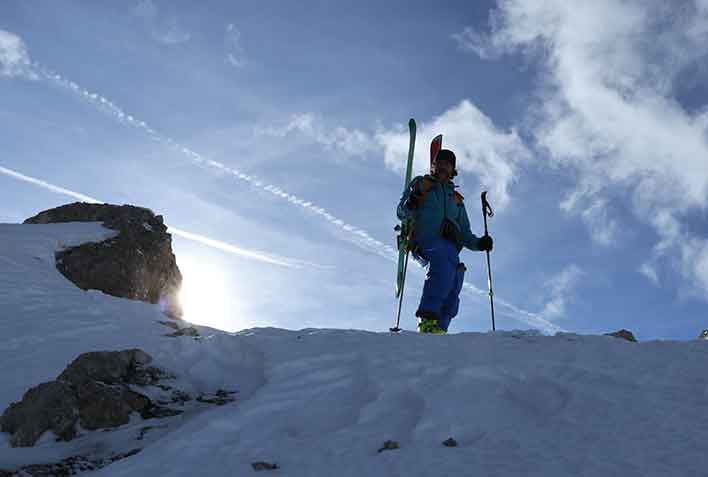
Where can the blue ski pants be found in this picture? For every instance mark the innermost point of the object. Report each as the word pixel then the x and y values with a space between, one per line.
pixel 444 279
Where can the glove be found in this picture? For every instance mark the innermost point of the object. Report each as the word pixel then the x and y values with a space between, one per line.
pixel 485 243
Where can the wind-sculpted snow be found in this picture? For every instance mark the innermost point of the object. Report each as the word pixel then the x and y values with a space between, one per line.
pixel 516 403
pixel 323 402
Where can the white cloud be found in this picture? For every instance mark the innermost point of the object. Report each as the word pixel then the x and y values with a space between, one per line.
pixel 14 57
pixel 608 110
pixel 694 254
pixel 170 32
pixel 351 142
pixel 649 271
pixel 482 149
pixel 235 54
pixel 472 41
pixel 492 155
pixel 594 211
pixel 561 288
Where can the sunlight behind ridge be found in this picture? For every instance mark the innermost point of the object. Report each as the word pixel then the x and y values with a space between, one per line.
pixel 203 296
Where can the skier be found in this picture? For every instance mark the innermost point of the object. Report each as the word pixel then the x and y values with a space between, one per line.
pixel 441 229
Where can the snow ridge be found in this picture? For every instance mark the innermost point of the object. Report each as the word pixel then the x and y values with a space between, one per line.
pixel 320 402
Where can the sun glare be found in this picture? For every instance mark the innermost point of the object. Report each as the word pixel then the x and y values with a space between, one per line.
pixel 204 296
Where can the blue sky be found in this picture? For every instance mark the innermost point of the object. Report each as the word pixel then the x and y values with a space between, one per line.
pixel 277 131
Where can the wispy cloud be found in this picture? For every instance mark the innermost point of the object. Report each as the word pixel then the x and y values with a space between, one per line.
pixel 163 27
pixel 649 271
pixel 607 107
pixel 492 155
pixel 350 140
pixel 482 149
pixel 235 54
pixel 694 261
pixel 561 289
pixel 14 58
pixel 595 213
pixel 471 40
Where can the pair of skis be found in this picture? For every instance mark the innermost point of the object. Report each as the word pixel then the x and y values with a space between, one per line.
pixel 405 228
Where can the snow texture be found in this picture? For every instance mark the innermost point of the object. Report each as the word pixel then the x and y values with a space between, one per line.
pixel 320 402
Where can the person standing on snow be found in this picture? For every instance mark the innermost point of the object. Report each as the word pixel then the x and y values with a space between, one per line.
pixel 441 229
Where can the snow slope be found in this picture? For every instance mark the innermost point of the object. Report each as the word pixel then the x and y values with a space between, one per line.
pixel 322 402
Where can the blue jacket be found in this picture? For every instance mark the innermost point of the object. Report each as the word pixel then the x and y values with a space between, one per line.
pixel 440 202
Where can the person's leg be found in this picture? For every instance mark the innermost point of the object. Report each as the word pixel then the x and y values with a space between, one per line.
pixel 444 323
pixel 451 304
pixel 440 278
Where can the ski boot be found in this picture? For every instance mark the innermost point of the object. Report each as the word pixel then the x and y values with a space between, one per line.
pixel 427 325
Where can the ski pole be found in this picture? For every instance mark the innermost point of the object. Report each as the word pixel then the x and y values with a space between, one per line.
pixel 487 211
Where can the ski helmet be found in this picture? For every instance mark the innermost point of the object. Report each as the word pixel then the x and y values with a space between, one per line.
pixel 449 156
pixel 446 155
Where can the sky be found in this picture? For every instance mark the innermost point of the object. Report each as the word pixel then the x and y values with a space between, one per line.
pixel 272 137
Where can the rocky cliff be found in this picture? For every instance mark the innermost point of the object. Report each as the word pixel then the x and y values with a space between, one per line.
pixel 136 263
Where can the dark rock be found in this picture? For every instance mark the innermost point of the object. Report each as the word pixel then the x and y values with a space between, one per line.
pixel 264 466
pixel 220 398
pixel 138 263
pixel 389 445
pixel 450 442
pixel 186 331
pixel 170 324
pixel 703 335
pixel 111 367
pixel 69 466
pixel 154 411
pixel 93 390
pixel 624 334
pixel 49 406
pixel 102 405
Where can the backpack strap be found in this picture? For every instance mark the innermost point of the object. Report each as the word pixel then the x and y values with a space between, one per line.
pixel 426 183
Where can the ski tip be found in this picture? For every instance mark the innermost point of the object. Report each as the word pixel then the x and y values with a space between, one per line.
pixel 411 122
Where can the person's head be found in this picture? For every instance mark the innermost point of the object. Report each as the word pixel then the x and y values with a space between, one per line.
pixel 444 165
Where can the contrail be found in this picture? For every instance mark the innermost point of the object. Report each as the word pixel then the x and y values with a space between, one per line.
pixel 47 185
pixel 218 244
pixel 354 234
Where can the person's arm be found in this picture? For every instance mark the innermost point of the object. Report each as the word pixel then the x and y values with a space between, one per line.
pixel 469 240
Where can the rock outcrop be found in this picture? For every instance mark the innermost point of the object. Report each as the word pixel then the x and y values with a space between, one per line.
pixel 623 334
pixel 137 263
pixel 93 391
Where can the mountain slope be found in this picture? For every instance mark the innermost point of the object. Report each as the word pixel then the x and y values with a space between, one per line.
pixel 322 402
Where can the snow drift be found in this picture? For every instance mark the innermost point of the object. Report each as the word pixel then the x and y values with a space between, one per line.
pixel 324 402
